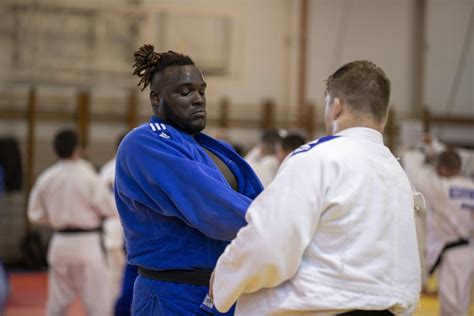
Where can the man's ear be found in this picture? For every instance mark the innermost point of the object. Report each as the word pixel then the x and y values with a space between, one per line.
pixel 154 97
pixel 337 108
pixel 155 100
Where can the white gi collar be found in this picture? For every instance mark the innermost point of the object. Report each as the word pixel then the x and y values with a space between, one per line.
pixel 364 133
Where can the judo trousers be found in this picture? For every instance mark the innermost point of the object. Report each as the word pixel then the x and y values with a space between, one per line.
pixel 455 278
pixel 76 268
pixel 123 306
pixel 87 280
pixel 160 298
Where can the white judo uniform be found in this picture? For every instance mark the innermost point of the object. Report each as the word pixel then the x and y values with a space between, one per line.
pixel 113 235
pixel 265 167
pixel 333 232
pixel 451 218
pixel 420 176
pixel 70 195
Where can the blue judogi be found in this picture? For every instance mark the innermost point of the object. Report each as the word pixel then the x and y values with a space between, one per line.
pixel 177 209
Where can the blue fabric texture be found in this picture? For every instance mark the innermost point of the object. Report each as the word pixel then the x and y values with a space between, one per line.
pixel 177 209
pixel 2 180
pixel 158 298
pixel 123 306
pixel 4 288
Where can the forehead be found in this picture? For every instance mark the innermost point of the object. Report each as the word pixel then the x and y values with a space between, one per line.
pixel 183 75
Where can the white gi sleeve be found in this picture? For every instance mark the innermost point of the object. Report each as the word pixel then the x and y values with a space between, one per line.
pixel 102 199
pixel 419 201
pixel 281 224
pixel 36 210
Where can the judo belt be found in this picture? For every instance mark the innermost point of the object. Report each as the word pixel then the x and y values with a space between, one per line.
pixel 367 313
pixel 79 230
pixel 86 230
pixel 194 277
pixel 458 243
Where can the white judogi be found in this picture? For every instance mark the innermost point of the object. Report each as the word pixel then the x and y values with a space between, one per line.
pixel 70 194
pixel 467 166
pixel 333 232
pixel 451 217
pixel 418 171
pixel 265 167
pixel 113 235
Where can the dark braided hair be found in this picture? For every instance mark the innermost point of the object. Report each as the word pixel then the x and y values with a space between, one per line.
pixel 148 62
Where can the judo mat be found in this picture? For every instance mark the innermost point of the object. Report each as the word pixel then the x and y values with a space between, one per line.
pixel 28 293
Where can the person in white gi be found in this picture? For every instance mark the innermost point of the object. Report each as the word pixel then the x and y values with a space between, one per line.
pixel 449 245
pixel 417 164
pixel 335 231
pixel 421 170
pixel 262 158
pixel 113 232
pixel 70 197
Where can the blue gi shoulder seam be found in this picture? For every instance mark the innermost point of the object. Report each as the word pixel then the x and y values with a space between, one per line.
pixel 310 146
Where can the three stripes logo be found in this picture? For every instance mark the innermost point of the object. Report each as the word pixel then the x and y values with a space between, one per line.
pixel 159 127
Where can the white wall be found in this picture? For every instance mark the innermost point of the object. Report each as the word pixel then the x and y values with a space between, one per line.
pixel 263 47
pixel 346 30
pixel 447 25
pixel 383 31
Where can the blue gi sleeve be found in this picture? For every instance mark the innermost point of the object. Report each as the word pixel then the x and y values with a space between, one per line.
pixel 163 176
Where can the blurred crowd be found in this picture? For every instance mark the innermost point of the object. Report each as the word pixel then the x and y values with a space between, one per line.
pixel 445 229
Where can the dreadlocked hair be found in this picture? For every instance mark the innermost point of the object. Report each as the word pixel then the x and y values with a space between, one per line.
pixel 148 62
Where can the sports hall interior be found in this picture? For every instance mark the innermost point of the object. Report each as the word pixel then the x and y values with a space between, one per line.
pixel 68 64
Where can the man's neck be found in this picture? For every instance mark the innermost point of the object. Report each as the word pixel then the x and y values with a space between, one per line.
pixel 341 125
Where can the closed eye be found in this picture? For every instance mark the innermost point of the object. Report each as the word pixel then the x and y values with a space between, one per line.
pixel 185 93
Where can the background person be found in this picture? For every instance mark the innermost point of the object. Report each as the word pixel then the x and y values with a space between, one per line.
pixel 70 198
pixel 287 144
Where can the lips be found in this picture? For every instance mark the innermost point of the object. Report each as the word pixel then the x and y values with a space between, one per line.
pixel 199 114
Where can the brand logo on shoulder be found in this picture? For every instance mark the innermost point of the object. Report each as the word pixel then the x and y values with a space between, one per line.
pixel 156 127
pixel 159 128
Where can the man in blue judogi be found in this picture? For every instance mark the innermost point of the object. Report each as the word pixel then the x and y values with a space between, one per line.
pixel 181 194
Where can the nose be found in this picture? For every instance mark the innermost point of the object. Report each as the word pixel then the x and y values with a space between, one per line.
pixel 198 99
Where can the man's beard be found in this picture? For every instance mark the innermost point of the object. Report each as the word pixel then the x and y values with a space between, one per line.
pixel 180 123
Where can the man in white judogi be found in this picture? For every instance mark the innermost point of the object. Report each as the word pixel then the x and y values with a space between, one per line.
pixel 335 231
pixel 113 233
pixel 421 170
pixel 450 239
pixel 70 197
pixel 262 158
pixel 417 168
